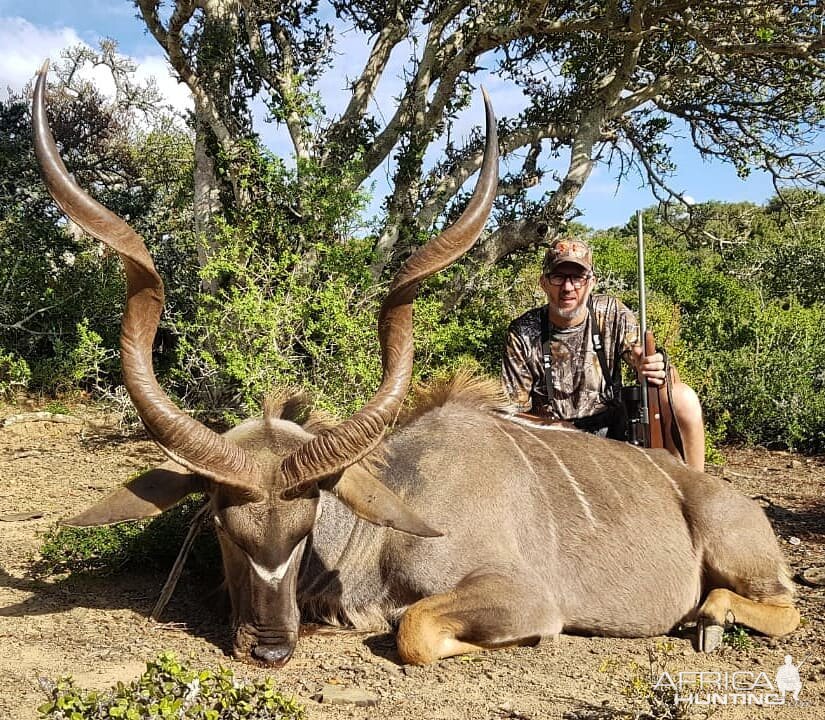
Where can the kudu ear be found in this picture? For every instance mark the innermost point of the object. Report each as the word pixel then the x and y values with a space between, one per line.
pixel 374 502
pixel 149 494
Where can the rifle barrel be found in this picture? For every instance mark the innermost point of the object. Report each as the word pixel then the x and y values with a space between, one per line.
pixel 640 254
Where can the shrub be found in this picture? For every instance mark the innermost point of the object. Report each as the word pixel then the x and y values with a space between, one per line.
pixel 141 544
pixel 170 689
pixel 293 302
pixel 14 373
pixel 753 357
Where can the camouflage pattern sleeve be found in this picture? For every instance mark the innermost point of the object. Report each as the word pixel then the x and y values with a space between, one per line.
pixel 516 374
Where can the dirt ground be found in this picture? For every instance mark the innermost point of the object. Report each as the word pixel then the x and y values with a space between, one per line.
pixel 97 629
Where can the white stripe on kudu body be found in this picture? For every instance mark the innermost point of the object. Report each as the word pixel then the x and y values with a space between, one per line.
pixel 656 465
pixel 519 451
pixel 539 425
pixel 567 474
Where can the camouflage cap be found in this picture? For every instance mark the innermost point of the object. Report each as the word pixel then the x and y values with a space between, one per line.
pixel 568 250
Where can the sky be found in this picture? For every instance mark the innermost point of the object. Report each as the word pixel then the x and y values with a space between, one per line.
pixel 32 30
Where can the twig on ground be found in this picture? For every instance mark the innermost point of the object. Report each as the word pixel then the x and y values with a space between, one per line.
pixel 177 568
pixel 23 454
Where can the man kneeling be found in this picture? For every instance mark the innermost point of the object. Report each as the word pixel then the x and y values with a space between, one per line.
pixel 561 360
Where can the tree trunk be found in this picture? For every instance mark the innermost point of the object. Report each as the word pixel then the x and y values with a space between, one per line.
pixel 207 204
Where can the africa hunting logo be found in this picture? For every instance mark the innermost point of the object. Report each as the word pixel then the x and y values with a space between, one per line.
pixel 741 687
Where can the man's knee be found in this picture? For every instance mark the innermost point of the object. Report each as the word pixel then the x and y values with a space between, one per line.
pixel 686 405
pixel 688 411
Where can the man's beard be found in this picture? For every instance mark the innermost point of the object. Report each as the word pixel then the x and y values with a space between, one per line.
pixel 571 313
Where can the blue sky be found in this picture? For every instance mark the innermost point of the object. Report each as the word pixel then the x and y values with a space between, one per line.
pixel 35 29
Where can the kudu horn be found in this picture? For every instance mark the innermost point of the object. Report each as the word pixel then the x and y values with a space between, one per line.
pixel 345 444
pixel 183 438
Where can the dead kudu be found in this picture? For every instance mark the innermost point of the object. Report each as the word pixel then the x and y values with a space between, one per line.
pixel 466 527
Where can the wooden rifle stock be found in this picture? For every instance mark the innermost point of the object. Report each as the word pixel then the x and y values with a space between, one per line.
pixel 655 417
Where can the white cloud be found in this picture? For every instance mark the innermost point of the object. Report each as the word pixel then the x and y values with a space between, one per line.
pixel 26 46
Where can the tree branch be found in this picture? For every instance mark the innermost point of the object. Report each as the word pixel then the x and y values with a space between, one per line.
pixel 20 324
pixel 170 41
pixel 364 87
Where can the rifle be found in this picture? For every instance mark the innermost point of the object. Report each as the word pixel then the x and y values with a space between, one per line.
pixel 655 413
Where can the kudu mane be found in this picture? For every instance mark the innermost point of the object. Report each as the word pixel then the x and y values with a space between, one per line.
pixel 295 405
pixel 464 388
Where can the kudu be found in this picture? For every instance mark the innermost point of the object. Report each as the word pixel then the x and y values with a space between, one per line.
pixel 468 528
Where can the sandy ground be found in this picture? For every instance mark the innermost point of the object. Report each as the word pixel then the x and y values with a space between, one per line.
pixel 97 628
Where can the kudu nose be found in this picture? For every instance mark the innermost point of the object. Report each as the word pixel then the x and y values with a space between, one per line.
pixel 277 655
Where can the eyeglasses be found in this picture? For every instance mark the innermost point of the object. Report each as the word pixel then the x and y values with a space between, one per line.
pixel 578 281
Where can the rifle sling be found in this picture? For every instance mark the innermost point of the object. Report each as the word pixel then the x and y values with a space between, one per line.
pixel 675 430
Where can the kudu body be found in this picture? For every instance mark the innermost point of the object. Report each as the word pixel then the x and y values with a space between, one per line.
pixel 469 528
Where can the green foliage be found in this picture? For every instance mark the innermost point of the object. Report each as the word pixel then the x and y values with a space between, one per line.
pixel 82 361
pixel 743 327
pixel 57 408
pixel 170 689
pixel 737 637
pixel 734 288
pixel 60 293
pixel 461 325
pixel 141 544
pixel 14 373
pixel 295 302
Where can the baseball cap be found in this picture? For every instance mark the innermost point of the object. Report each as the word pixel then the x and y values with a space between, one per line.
pixel 568 250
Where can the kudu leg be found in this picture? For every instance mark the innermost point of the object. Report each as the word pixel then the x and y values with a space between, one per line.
pixel 745 575
pixel 483 612
pixel 771 616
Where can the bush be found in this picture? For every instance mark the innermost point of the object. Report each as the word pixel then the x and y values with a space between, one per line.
pixel 755 357
pixel 61 293
pixel 141 544
pixel 14 373
pixel 169 689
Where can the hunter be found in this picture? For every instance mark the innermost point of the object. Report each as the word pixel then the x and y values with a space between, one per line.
pixel 561 360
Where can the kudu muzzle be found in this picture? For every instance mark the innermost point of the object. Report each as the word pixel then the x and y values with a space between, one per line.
pixel 267 618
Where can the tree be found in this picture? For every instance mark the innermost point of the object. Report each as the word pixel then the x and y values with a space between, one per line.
pixel 55 283
pixel 779 248
pixel 734 296
pixel 604 82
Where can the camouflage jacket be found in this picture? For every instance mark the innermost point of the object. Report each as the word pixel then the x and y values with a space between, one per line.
pixel 578 385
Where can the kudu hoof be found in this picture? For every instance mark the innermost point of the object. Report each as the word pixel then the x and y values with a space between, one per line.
pixel 708 635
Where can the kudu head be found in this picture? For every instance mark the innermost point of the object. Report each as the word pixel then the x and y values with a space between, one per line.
pixel 263 476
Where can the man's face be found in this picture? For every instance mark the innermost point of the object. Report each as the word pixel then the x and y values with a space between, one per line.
pixel 567 302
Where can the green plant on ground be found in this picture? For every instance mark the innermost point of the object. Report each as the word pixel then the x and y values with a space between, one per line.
pixel 651 699
pixel 57 408
pixel 145 544
pixel 170 689
pixel 14 373
pixel 737 637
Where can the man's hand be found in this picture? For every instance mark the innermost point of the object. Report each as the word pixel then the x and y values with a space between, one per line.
pixel 651 367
